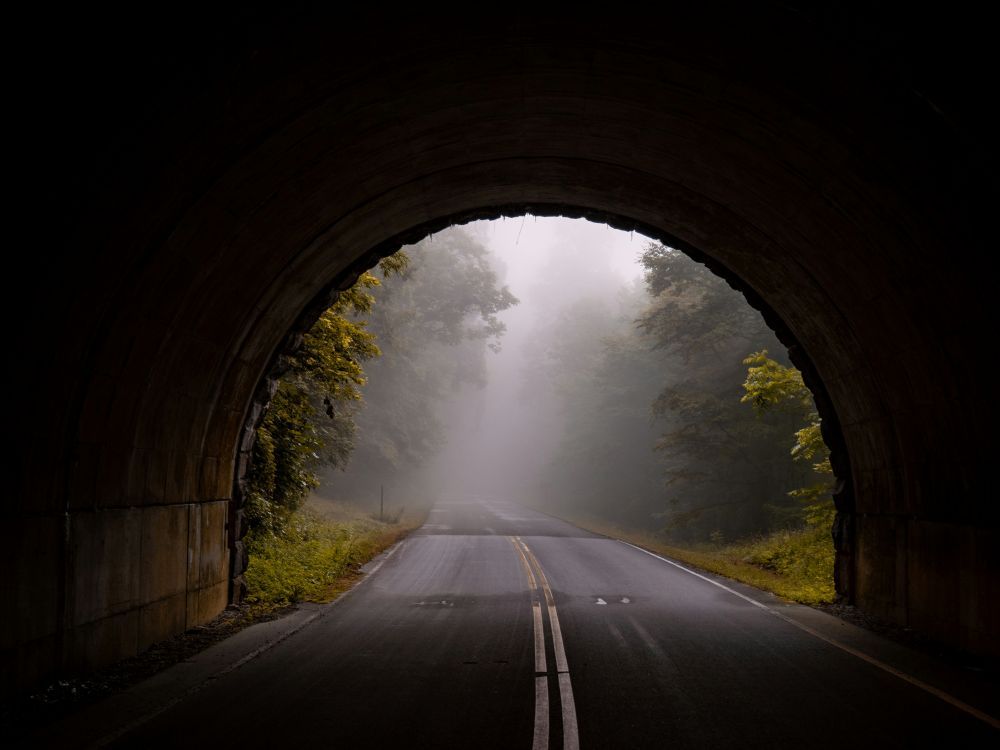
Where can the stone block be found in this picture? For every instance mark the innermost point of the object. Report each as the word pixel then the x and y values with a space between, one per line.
pixel 203 359
pixel 193 546
pixel 239 560
pixel 164 558
pixel 213 561
pixel 135 483
pixel 191 609
pixel 980 592
pixel 104 548
pixel 185 478
pixel 881 567
pixel 209 477
pixel 211 601
pixel 162 619
pixel 933 578
pixel 240 526
pixel 954 588
pixel 30 561
pixel 157 467
pixel 102 642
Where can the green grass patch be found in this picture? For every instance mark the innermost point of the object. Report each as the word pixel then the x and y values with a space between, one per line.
pixel 794 564
pixel 315 559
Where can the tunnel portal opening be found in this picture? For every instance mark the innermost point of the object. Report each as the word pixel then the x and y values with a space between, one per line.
pixel 342 481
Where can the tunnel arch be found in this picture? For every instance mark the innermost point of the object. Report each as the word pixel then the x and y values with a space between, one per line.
pixel 218 190
pixel 840 459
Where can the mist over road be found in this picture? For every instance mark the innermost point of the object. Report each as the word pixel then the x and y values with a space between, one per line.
pixel 494 626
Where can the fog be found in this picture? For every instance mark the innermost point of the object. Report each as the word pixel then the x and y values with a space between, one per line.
pixel 595 396
pixel 501 437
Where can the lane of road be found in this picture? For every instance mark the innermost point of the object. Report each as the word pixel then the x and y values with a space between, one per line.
pixel 494 626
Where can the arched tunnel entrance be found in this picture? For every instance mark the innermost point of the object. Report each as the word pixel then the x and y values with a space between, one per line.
pixel 842 489
pixel 221 195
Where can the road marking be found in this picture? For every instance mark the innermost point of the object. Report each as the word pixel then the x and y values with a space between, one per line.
pixel 542 729
pixel 936 692
pixel 540 665
pixel 541 737
pixel 536 612
pixel 651 643
pixel 617 635
pixel 571 732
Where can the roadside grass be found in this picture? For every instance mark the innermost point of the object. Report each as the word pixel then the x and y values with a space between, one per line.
pixel 794 564
pixel 316 558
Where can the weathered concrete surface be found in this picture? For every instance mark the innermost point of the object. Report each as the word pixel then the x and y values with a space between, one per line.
pixel 837 168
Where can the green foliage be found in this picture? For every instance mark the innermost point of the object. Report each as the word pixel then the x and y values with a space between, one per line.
pixel 803 558
pixel 309 420
pixel 725 472
pixel 769 386
pixel 796 564
pixel 723 469
pixel 676 343
pixel 308 559
pixel 284 449
pixel 693 313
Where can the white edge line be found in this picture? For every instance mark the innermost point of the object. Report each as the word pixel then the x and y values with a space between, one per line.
pixel 118 733
pixel 936 692
pixel 722 586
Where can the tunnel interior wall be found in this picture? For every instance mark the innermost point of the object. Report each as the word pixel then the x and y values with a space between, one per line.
pixel 211 194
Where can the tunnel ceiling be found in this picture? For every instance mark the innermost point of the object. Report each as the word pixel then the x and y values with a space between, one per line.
pixel 232 186
pixel 206 185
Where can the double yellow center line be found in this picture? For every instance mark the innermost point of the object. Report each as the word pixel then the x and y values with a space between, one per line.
pixel 539 586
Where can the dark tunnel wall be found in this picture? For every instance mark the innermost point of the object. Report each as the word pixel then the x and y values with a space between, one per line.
pixel 198 192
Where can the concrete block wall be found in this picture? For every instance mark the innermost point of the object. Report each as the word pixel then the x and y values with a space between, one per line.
pixel 106 584
pixel 937 578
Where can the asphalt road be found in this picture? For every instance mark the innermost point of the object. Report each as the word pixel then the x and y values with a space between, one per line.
pixel 494 626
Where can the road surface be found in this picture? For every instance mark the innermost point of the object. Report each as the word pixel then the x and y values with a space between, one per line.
pixel 494 626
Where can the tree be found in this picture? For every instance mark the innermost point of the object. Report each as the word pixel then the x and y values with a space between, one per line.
pixel 600 373
pixel 771 386
pixel 435 324
pixel 310 419
pixel 723 468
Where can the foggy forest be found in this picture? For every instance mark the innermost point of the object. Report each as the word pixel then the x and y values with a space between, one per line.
pixel 596 375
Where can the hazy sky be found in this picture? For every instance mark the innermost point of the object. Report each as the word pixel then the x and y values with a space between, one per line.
pixel 500 437
pixel 526 244
pixel 496 441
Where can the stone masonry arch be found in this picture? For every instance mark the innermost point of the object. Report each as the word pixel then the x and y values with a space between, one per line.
pixel 216 181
